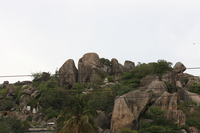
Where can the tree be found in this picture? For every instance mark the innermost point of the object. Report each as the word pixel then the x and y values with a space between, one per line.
pixel 161 67
pixel 75 119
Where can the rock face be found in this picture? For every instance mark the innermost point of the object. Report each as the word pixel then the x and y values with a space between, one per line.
pixel 129 65
pixel 193 130
pixel 168 102
pixel 89 68
pixel 127 109
pixel 148 79
pixel 116 70
pixel 10 91
pixel 179 67
pixel 68 73
pixel 102 120
pixel 158 87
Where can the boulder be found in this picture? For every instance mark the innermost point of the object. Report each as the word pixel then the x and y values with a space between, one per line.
pixel 89 68
pixel 127 109
pixel 23 99
pixel 158 88
pixel 116 69
pixel 179 67
pixel 170 77
pixel 129 65
pixel 102 120
pixel 182 131
pixel 4 85
pixel 68 73
pixel 163 101
pixel 184 78
pixel 10 90
pixel 35 94
pixel 29 90
pixel 177 116
pixel 38 117
pixel 22 83
pixel 193 129
pixel 45 76
pixel 148 79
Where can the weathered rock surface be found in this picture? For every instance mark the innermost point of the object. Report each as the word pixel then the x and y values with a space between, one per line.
pixel 10 90
pixel 170 77
pixel 89 68
pixel 127 109
pixel 182 131
pixel 163 101
pixel 148 79
pixel 38 117
pixel 158 87
pixel 23 99
pixel 129 65
pixel 179 67
pixel 35 94
pixel 45 76
pixel 68 73
pixel 22 83
pixel 29 90
pixel 102 120
pixel 193 130
pixel 116 69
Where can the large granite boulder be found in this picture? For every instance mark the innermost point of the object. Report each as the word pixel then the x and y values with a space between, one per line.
pixel 148 79
pixel 168 102
pixel 102 120
pixel 89 68
pixel 116 69
pixel 68 73
pixel 29 90
pixel 10 90
pixel 179 67
pixel 129 65
pixel 193 130
pixel 23 100
pixel 163 101
pixel 170 77
pixel 127 109
pixel 158 88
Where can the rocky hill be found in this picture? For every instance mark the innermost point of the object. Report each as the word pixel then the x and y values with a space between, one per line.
pixel 145 97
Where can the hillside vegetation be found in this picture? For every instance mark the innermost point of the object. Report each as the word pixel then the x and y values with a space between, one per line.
pixel 49 97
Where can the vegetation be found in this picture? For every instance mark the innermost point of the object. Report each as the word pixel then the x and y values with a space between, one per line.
pixel 12 124
pixel 195 88
pixel 159 123
pixel 76 119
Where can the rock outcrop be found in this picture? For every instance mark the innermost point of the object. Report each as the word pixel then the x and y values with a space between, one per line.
pixel 116 69
pixel 158 88
pixel 193 130
pixel 179 67
pixel 68 73
pixel 168 102
pixel 129 65
pixel 148 79
pixel 89 68
pixel 127 109
pixel 102 120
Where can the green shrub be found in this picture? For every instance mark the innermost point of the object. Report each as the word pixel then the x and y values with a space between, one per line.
pixel 195 88
pixel 193 122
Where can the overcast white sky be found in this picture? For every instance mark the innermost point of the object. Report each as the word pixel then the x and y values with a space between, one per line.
pixel 40 35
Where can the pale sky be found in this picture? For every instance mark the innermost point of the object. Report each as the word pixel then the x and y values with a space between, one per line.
pixel 40 35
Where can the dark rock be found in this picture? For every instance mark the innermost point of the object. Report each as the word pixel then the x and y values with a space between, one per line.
pixel 179 67
pixel 102 120
pixel 89 68
pixel 68 73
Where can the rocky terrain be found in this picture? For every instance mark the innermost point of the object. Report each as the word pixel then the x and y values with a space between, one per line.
pixel 128 109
